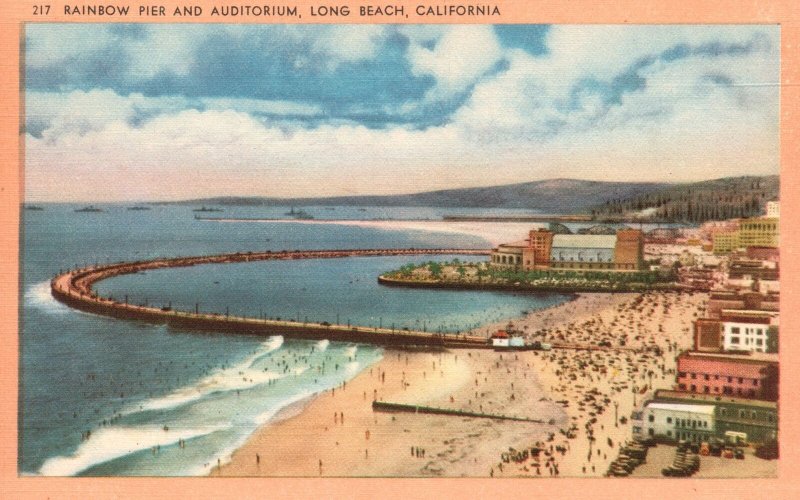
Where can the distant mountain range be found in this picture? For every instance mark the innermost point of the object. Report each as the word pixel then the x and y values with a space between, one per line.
pixel 564 196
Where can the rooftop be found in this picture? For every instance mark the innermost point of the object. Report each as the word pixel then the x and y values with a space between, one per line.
pixel 585 240
pixel 664 395
pixel 693 408
pixel 755 357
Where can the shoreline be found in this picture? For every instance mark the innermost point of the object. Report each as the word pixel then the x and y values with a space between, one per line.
pixel 377 444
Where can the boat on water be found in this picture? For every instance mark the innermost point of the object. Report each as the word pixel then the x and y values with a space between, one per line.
pixel 33 207
pixel 138 208
pixel 299 214
pixel 89 209
pixel 208 209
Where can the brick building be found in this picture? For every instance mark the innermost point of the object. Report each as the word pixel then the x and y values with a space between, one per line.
pixel 623 251
pixel 750 376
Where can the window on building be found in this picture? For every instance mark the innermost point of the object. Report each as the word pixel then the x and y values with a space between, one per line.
pixel 651 431
pixel 669 434
pixel 730 379
pixel 651 418
pixel 706 389
pixel 755 382
pixel 694 376
pixel 681 374
pixel 759 342
pixel 682 387
pixel 706 376
pixel 735 330
pixel 694 388
pixel 734 340
pixel 669 420
pixel 741 380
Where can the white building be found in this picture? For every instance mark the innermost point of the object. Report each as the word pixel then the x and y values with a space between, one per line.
pixel 675 421
pixel 750 335
pixel 773 209
pixel 500 339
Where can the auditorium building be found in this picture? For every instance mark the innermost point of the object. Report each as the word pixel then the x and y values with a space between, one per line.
pixel 544 250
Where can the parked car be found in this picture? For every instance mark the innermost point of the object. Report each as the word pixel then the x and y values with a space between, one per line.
pixel 738 453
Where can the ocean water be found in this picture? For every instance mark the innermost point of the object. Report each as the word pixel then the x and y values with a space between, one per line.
pixel 156 401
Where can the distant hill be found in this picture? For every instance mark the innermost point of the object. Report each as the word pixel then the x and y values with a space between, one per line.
pixel 719 199
pixel 554 195
pixel 691 202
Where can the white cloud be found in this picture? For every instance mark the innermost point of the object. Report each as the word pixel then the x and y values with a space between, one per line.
pixel 458 59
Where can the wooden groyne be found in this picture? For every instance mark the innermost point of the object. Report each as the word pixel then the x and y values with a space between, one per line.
pixel 406 408
pixel 74 288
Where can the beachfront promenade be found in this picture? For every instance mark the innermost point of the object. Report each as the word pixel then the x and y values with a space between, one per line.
pixel 74 288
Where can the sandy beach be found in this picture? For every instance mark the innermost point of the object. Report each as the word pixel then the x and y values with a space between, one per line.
pixel 493 232
pixel 575 393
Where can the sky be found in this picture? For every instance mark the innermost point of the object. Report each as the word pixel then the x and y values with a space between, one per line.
pixel 145 112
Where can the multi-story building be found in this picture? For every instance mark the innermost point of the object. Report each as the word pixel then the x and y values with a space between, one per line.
pixel 759 232
pixel 758 420
pixel 744 330
pixel 725 242
pixel 751 376
pixel 623 251
pixel 691 422
pixel 773 209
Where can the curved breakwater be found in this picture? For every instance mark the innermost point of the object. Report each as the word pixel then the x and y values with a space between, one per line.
pixel 74 288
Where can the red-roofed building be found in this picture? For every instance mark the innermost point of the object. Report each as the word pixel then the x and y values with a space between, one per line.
pixel 500 339
pixel 753 376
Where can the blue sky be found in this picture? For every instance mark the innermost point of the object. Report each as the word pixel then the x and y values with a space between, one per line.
pixel 116 112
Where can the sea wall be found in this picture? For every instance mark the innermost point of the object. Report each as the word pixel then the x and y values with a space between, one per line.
pixel 74 288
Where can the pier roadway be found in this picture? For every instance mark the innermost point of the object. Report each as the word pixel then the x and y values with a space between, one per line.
pixel 74 288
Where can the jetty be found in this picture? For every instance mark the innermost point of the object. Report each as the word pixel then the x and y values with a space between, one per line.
pixel 74 288
pixel 382 406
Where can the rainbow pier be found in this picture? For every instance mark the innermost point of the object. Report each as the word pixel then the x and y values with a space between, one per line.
pixel 74 288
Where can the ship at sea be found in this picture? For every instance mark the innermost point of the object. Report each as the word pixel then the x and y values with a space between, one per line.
pixel 33 207
pixel 299 214
pixel 138 208
pixel 208 209
pixel 89 209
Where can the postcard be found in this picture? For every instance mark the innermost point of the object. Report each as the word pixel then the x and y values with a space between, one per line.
pixel 331 245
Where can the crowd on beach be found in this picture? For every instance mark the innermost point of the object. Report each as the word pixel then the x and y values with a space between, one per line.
pixel 583 396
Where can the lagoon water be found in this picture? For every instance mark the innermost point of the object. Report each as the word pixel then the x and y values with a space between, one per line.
pixel 161 402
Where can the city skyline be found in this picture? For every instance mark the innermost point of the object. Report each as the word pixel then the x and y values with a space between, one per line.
pixel 168 112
